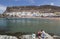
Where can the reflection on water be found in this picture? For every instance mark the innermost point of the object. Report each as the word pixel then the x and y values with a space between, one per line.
pixel 30 25
pixel 3 24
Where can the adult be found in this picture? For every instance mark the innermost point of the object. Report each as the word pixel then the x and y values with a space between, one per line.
pixel 43 35
pixel 39 34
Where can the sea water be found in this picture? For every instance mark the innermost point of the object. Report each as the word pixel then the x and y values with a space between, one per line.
pixel 30 25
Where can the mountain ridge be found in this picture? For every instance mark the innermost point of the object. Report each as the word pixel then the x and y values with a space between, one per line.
pixel 42 8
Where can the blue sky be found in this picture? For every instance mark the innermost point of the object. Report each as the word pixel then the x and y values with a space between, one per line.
pixel 5 3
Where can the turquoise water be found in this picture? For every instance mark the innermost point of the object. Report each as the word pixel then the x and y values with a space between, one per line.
pixel 30 25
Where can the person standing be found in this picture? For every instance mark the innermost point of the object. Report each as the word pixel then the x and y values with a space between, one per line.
pixel 43 35
pixel 33 36
pixel 39 34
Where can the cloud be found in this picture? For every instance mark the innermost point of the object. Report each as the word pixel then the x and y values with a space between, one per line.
pixel 52 4
pixel 30 1
pixel 2 8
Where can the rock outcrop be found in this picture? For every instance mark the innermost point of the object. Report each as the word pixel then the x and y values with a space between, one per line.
pixel 42 8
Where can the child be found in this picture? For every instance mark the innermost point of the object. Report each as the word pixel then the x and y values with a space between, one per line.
pixel 33 36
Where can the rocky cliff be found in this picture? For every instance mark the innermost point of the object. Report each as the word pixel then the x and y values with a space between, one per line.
pixel 42 8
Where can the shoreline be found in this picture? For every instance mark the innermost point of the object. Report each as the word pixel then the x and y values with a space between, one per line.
pixel 49 18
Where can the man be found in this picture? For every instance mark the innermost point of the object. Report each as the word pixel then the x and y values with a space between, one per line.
pixel 43 35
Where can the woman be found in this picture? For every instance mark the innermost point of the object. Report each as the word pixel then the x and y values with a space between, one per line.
pixel 39 34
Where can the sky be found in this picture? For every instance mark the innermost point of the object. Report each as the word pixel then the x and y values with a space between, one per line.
pixel 6 3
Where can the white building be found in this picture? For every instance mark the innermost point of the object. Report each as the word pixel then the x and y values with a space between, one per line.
pixel 19 14
pixel 47 14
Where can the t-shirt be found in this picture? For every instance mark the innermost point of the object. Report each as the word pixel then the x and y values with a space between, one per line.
pixel 33 35
pixel 43 34
pixel 39 33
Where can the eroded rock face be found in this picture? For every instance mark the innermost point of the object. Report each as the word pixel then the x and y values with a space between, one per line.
pixel 43 8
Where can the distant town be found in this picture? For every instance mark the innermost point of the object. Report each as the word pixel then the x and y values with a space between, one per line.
pixel 32 11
